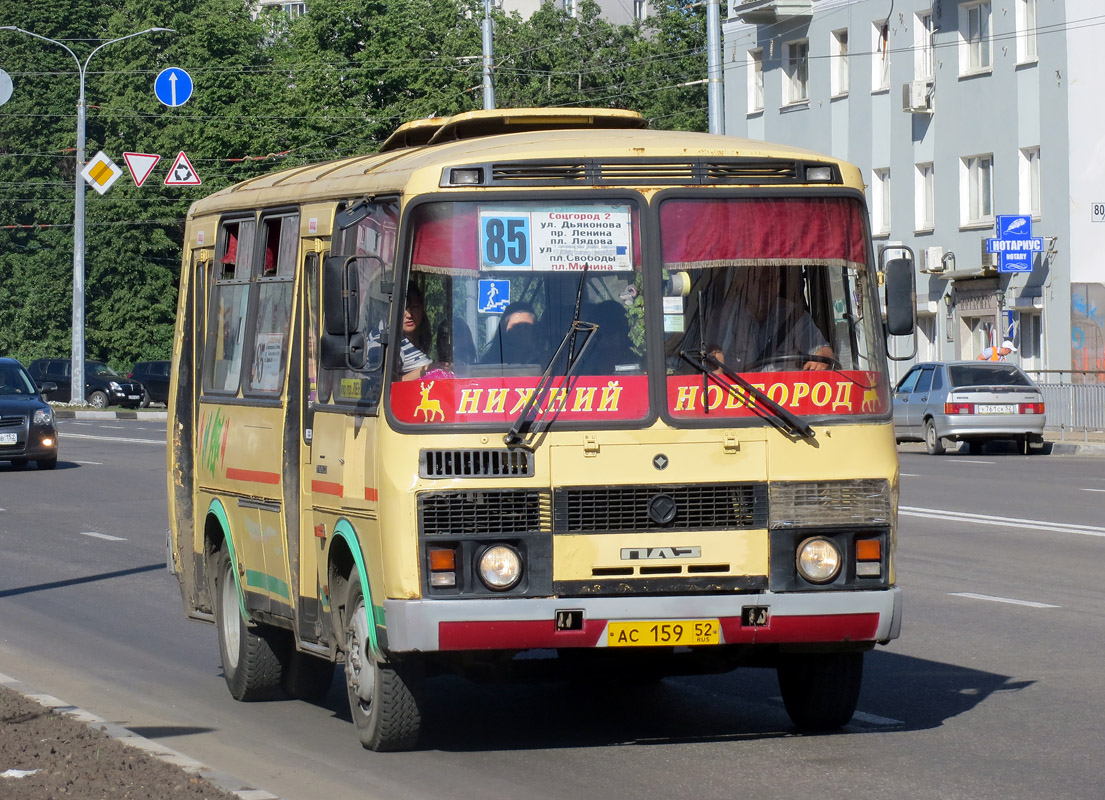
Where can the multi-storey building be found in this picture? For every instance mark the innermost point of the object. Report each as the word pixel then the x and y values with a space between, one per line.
pixel 958 111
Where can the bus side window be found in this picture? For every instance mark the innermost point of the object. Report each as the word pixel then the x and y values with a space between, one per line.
pixel 272 325
pixel 227 307
pixel 371 242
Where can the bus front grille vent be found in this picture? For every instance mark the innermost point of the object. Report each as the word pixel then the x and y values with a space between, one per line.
pixel 558 173
pixel 495 512
pixel 475 463
pixel 624 509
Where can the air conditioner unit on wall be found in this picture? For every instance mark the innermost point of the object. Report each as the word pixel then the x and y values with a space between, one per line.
pixel 989 260
pixel 917 97
pixel 932 260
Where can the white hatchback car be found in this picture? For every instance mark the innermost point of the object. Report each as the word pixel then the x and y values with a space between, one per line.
pixel 968 401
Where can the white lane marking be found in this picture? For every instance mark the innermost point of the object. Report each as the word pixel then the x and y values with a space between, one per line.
pixel 1083 489
pixel 114 427
pixel 68 435
pixel 1010 600
pixel 874 719
pixel 93 463
pixel 1008 522
pixel 909 475
pixel 106 536
pixel 969 461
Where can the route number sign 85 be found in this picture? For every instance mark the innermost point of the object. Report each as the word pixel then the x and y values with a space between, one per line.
pixel 505 241
pixel 1098 212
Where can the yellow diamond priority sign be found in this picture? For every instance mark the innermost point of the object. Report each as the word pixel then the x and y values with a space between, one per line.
pixel 101 172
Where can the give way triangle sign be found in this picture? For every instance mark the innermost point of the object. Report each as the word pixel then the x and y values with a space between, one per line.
pixel 182 173
pixel 140 165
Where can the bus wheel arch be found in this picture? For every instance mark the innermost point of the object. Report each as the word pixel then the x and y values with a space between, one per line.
pixel 252 656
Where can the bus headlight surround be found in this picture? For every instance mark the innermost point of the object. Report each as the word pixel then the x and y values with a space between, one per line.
pixel 500 567
pixel 818 560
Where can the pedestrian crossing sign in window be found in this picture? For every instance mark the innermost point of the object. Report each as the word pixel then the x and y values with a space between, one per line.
pixel 101 172
pixel 494 296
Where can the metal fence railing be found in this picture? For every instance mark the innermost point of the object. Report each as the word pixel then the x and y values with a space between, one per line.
pixel 1074 400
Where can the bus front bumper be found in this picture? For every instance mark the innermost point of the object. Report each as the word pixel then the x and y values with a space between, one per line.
pixel 873 616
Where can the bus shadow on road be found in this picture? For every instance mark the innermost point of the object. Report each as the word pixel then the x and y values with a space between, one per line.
pixel 900 693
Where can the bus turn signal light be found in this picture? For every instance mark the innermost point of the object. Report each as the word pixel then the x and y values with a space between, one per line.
pixel 868 550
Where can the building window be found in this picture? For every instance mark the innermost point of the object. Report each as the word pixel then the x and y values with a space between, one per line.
pixel 976 190
pixel 839 45
pixel 880 202
pixel 797 68
pixel 880 66
pixel 924 202
pixel 975 44
pixel 1026 31
pixel 640 10
pixel 755 80
pixel 570 7
pixel 923 69
pixel 1030 181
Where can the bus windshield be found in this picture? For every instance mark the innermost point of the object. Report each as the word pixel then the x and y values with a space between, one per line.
pixel 494 290
pixel 777 290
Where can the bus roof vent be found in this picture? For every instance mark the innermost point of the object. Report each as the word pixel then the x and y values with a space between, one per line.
pixel 475 463
pixel 531 173
pixel 751 171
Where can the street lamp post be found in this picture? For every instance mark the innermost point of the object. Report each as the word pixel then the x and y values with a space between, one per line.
pixel 77 364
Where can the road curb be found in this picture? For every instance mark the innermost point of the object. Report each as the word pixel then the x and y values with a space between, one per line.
pixel 72 413
pixel 222 780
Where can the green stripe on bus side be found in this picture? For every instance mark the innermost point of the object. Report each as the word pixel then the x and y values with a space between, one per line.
pixel 217 509
pixel 270 583
pixel 344 531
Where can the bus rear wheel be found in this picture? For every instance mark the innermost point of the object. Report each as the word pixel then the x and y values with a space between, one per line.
pixel 251 655
pixel 382 702
pixel 820 690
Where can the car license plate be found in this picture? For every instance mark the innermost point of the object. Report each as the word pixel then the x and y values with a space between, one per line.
pixel 7 438
pixel 996 408
pixel 663 633
pixel 133 397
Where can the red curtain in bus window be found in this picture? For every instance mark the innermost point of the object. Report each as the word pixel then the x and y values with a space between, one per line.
pixel 761 231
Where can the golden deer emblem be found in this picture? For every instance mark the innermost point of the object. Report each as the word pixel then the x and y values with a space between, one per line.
pixel 870 400
pixel 431 409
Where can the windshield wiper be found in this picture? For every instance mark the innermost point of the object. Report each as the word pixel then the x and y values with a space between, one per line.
pixel 706 364
pixel 524 430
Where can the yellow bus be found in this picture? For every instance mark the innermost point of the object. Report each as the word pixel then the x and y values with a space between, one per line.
pixel 537 389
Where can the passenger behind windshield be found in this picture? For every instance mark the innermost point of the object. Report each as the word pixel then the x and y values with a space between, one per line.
pixel 518 339
pixel 611 351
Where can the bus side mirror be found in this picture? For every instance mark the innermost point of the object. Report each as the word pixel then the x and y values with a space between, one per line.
pixel 901 297
pixel 341 303
pixel 340 352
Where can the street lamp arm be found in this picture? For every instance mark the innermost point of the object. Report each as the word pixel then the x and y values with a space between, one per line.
pixel 46 39
pixel 120 39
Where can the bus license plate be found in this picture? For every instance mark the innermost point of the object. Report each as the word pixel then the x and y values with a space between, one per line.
pixel 997 408
pixel 662 633
pixel 7 438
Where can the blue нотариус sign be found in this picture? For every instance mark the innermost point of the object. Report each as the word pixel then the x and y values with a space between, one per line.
pixel 1015 244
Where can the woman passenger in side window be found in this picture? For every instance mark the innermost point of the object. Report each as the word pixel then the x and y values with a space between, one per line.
pixel 413 359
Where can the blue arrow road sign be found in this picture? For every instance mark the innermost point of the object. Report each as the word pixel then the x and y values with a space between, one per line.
pixel 173 86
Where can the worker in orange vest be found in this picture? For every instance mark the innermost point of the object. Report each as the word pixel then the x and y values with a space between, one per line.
pixel 997 353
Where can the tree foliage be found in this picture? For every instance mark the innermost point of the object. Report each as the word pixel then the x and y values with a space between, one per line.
pixel 269 93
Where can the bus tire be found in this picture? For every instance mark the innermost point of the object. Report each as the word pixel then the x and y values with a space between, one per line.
pixel 820 690
pixel 250 653
pixel 381 701
pixel 307 677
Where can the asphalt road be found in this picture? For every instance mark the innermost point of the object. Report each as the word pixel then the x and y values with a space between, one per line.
pixel 993 691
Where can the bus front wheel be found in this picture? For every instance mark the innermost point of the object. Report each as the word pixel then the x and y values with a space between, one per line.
pixel 820 690
pixel 381 701
pixel 251 655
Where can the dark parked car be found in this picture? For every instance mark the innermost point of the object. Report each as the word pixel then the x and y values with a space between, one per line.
pixel 154 375
pixel 27 430
pixel 968 401
pixel 103 386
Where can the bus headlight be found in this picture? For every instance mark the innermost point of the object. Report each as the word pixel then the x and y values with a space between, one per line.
pixel 818 560
pixel 500 567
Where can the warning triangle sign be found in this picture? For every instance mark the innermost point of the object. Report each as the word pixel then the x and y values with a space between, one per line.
pixel 182 173
pixel 140 165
